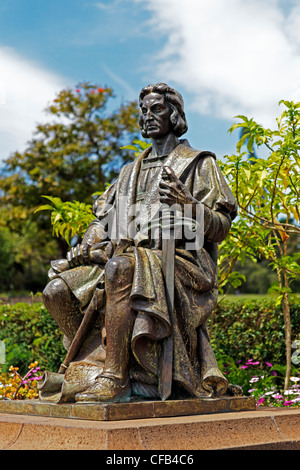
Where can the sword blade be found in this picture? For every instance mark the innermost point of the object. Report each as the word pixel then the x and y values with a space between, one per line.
pixel 166 361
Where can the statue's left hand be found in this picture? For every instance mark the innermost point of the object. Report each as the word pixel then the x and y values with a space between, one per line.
pixel 172 190
pixel 85 254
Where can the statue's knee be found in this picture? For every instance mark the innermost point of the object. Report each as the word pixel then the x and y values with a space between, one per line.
pixel 54 291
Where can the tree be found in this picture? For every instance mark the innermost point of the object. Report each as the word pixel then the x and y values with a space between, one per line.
pixel 6 258
pixel 267 190
pixel 74 155
pixel 70 157
pixel 70 218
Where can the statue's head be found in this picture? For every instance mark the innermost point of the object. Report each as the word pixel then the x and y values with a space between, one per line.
pixel 173 99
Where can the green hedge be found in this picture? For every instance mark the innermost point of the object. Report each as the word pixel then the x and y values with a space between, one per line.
pixel 253 330
pixel 30 334
pixel 241 330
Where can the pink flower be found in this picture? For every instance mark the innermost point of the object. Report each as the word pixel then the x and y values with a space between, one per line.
pixel 269 364
pixel 260 401
pixel 255 363
pixel 244 367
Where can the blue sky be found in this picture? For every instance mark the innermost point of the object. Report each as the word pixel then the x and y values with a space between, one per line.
pixel 225 57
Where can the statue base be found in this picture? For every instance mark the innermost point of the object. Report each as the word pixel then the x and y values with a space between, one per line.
pixel 131 410
pixel 22 428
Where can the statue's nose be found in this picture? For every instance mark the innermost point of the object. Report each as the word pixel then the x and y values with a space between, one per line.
pixel 149 114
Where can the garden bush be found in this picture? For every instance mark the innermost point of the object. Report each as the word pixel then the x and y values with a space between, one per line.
pixel 252 329
pixel 30 334
pixel 241 330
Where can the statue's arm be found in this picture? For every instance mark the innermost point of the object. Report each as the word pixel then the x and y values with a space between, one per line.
pixel 210 190
pixel 216 225
pixel 220 207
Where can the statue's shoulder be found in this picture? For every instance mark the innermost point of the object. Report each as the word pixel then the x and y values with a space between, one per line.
pixel 127 168
pixel 188 151
pixel 130 166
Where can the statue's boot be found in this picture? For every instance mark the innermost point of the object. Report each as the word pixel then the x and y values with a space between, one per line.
pixel 106 389
pixel 113 383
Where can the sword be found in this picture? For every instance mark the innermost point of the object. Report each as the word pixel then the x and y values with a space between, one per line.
pixel 168 266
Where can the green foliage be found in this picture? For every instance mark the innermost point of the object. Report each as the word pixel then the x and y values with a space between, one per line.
pixel 268 195
pixel 6 257
pixel 30 334
pixel 71 157
pixel 138 146
pixel 68 218
pixel 263 381
pixel 243 373
pixel 247 338
pixel 253 329
pixel 72 218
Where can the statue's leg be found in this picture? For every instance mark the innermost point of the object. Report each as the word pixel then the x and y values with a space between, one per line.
pixel 63 307
pixel 113 383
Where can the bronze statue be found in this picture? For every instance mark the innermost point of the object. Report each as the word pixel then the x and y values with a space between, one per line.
pixel 134 297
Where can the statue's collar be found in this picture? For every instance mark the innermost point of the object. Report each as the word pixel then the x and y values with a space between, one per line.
pixel 182 150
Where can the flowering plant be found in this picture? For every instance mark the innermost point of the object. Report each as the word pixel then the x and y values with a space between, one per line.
pixel 273 396
pixel 15 387
pixel 263 381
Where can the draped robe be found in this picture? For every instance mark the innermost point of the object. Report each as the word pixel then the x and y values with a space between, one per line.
pixel 195 369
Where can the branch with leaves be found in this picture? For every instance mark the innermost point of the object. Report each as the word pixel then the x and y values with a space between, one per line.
pixel 267 190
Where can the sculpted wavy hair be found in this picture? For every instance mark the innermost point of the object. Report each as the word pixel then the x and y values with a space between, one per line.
pixel 174 98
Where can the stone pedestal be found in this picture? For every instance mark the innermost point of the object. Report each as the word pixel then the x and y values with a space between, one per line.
pixel 132 410
pixel 29 427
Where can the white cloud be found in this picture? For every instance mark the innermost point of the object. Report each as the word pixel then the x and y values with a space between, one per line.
pixel 25 91
pixel 234 56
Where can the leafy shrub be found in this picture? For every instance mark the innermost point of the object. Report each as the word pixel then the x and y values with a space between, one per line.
pixel 30 334
pixel 263 380
pixel 241 330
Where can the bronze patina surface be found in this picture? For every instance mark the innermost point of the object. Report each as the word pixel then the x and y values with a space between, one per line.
pixel 133 298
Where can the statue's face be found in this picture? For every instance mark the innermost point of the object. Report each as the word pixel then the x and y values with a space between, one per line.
pixel 156 115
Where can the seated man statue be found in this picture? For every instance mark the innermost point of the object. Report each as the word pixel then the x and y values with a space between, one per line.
pixel 114 288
